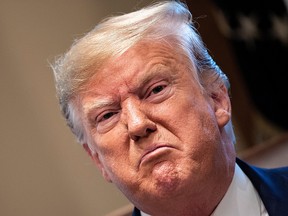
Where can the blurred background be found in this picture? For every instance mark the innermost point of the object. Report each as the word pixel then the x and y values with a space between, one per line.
pixel 43 171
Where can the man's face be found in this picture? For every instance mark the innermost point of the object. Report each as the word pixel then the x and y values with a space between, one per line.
pixel 153 132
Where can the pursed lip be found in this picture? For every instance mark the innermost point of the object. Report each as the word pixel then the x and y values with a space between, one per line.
pixel 151 150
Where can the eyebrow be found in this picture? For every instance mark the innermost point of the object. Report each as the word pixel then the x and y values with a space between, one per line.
pixel 157 70
pixel 97 103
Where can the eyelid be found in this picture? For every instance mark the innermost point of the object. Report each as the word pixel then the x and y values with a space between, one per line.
pixel 155 97
pixel 154 85
pixel 99 116
pixel 103 126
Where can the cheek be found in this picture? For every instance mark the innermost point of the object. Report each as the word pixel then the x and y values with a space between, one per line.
pixel 111 141
pixel 181 114
pixel 193 123
pixel 114 148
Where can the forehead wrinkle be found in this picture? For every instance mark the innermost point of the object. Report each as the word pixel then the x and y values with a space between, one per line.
pixel 147 62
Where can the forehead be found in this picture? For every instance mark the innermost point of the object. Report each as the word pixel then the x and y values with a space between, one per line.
pixel 142 59
pixel 130 72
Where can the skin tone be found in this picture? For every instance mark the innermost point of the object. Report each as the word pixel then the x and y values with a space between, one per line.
pixel 156 135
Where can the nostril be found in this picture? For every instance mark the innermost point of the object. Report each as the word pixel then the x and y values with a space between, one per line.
pixel 149 130
pixel 137 137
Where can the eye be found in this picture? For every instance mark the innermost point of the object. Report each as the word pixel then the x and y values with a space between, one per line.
pixel 108 115
pixel 106 120
pixel 105 116
pixel 156 90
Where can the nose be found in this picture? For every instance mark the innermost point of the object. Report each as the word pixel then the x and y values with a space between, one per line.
pixel 138 123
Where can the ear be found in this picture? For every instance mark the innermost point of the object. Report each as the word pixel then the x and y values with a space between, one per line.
pixel 222 106
pixel 95 157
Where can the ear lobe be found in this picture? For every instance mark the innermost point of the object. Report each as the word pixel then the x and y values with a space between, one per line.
pixel 222 106
pixel 223 117
pixel 95 157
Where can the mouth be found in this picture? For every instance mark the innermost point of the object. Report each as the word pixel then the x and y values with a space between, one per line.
pixel 154 153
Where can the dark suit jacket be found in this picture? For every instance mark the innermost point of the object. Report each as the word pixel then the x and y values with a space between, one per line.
pixel 271 184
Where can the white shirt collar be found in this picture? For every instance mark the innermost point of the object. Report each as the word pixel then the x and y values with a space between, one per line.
pixel 241 198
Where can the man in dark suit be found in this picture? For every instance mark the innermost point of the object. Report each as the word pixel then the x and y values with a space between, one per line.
pixel 152 109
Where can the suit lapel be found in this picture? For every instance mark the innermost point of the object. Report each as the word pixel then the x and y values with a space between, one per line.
pixel 136 212
pixel 272 186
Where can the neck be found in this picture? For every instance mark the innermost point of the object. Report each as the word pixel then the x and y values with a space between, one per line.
pixel 194 205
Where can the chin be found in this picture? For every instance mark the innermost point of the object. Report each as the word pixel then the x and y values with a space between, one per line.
pixel 166 178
